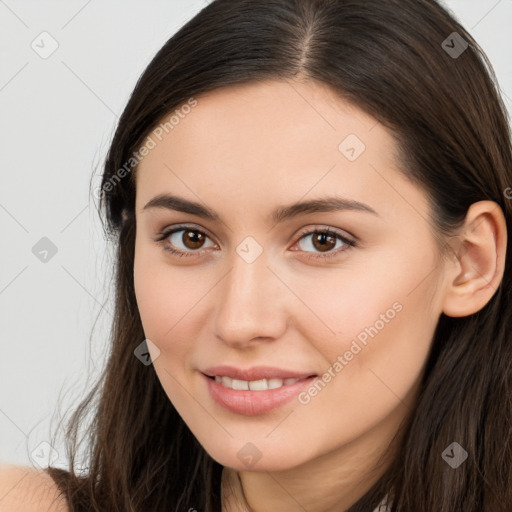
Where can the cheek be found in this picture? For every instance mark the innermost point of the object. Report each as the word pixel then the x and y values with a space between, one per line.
pixel 372 291
pixel 364 382
pixel 169 302
pixel 382 322
pixel 162 300
pixel 158 294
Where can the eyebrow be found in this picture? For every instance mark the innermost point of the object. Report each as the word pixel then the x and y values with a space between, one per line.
pixel 281 214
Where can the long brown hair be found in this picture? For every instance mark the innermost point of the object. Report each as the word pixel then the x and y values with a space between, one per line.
pixel 438 97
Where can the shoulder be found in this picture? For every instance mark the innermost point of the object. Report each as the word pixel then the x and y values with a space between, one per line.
pixel 26 489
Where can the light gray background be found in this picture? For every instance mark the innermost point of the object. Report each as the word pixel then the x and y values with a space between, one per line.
pixel 58 115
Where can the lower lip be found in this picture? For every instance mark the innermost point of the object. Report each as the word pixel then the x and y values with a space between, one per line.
pixel 252 403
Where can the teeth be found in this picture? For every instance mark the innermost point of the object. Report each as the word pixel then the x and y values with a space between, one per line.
pixel 258 385
pixel 238 384
pixel 254 385
pixel 274 383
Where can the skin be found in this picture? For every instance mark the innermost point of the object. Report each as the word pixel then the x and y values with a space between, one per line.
pixel 244 151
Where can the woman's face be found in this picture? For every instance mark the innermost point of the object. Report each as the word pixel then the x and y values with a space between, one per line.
pixel 256 287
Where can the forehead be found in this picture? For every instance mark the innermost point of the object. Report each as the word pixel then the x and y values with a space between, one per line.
pixel 271 141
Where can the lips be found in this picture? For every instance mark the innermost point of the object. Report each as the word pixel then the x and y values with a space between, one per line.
pixel 249 402
pixel 256 390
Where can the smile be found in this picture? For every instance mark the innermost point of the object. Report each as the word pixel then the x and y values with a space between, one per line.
pixel 253 397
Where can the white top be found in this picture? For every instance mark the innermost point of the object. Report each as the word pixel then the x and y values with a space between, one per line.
pixel 383 506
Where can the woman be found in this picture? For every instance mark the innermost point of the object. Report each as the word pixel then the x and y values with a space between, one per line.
pixel 310 201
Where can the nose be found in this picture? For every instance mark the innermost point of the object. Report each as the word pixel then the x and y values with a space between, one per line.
pixel 252 304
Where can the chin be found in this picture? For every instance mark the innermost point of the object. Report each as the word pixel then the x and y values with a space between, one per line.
pixel 250 457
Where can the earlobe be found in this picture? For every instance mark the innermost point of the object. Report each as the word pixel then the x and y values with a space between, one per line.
pixel 475 274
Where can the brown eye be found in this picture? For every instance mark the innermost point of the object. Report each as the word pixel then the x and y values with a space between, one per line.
pixel 323 241
pixel 192 239
pixel 184 241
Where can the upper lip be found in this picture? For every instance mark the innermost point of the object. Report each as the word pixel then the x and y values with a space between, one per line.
pixel 255 373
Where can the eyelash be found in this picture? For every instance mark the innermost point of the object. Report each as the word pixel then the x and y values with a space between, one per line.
pixel 162 239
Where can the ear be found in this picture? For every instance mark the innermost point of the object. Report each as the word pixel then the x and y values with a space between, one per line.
pixel 477 270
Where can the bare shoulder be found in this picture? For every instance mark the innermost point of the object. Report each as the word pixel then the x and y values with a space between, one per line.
pixel 26 489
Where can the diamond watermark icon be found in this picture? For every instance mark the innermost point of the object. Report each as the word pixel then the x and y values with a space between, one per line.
pixel 454 455
pixel 249 250
pixel 44 45
pixel 44 250
pixel 147 352
pixel 351 147
pixel 249 454
pixel 454 45
pixel 44 455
